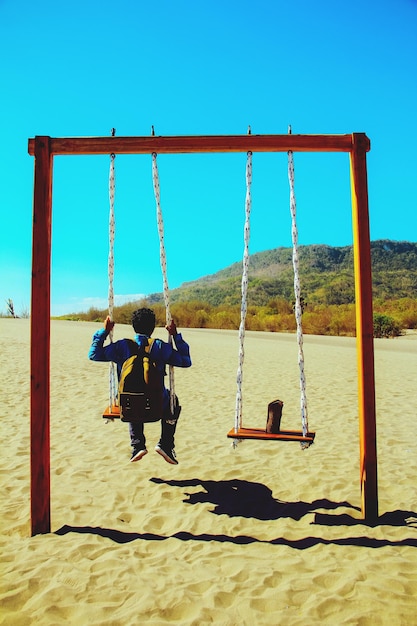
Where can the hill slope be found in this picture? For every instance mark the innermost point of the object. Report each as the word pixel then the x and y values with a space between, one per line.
pixel 326 275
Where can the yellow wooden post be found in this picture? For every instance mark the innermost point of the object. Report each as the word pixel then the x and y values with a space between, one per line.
pixel 364 327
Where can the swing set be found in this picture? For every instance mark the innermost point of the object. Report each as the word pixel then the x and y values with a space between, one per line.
pixel 44 148
pixel 273 432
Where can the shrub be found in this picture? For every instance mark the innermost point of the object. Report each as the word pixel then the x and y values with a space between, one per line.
pixel 385 326
pixel 390 316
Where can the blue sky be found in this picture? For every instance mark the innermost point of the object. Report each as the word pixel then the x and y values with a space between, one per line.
pixel 192 67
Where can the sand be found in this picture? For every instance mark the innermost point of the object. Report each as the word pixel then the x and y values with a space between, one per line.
pixel 262 534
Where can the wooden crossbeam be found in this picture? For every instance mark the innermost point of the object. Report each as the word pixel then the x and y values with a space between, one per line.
pixel 205 143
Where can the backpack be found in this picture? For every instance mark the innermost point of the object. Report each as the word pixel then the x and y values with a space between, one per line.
pixel 140 387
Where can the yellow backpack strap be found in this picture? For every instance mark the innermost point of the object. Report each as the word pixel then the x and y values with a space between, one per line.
pixel 149 346
pixel 147 361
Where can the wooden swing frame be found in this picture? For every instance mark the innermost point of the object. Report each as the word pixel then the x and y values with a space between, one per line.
pixel 45 148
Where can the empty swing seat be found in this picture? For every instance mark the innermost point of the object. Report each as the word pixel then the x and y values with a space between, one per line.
pixel 273 431
pixel 282 435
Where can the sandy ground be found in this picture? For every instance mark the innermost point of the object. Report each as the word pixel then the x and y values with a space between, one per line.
pixel 262 534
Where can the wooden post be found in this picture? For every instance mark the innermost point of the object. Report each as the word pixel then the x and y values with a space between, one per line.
pixel 40 338
pixel 364 328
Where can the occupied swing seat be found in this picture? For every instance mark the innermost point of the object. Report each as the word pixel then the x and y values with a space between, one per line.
pixel 112 412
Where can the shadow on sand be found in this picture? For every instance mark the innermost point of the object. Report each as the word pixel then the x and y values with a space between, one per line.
pixel 238 498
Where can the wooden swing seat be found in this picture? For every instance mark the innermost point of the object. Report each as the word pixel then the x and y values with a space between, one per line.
pixel 112 412
pixel 282 435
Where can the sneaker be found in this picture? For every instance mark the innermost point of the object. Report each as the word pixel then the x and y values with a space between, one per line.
pixel 168 453
pixel 138 454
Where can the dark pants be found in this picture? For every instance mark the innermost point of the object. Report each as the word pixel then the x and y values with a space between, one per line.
pixel 168 426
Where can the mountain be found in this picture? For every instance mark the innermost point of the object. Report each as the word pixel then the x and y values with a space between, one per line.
pixel 326 276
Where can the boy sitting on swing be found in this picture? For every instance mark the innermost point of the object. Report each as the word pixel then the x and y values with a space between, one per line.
pixel 162 354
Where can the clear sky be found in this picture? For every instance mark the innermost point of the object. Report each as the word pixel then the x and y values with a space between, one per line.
pixel 194 67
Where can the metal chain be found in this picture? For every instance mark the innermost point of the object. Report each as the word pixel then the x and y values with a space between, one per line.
pixel 163 261
pixel 243 309
pixel 297 293
pixel 112 228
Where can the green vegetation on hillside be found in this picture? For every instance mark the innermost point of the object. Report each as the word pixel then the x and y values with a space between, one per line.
pixel 326 276
pixel 327 289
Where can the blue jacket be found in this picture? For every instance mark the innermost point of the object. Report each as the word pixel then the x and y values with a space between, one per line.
pixel 161 352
